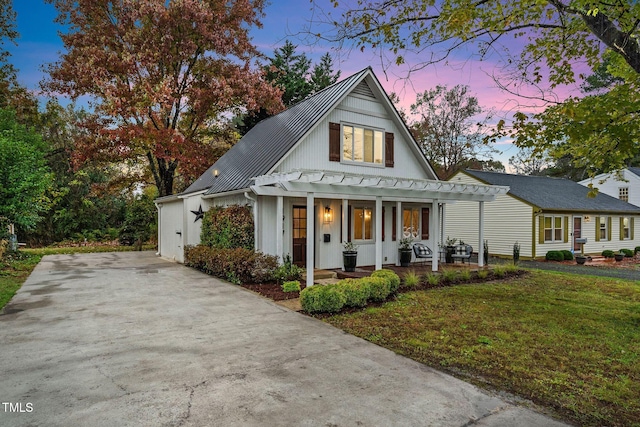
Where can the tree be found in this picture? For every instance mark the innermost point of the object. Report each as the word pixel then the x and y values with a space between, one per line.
pixel 25 177
pixel 446 130
pixel 159 73
pixel 290 72
pixel 554 34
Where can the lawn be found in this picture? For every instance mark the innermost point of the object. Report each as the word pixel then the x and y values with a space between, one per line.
pixel 570 343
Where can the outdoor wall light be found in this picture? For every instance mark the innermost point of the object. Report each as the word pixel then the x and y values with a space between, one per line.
pixel 328 215
pixel 215 173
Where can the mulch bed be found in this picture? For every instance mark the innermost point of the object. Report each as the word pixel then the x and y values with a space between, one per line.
pixel 627 262
pixel 273 290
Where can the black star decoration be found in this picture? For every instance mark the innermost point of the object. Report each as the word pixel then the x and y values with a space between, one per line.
pixel 199 214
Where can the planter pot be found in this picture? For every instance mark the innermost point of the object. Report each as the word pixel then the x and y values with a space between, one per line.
pixel 349 258
pixel 581 259
pixel 405 257
pixel 619 257
pixel 448 255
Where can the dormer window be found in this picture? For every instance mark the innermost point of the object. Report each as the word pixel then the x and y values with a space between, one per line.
pixel 362 145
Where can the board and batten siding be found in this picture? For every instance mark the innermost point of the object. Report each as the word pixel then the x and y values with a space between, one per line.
pixel 171 223
pixel 313 152
pixel 506 221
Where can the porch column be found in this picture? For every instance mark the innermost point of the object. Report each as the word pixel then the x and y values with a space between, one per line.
pixel 279 228
pixel 256 225
pixel 378 232
pixel 435 221
pixel 481 234
pixel 345 220
pixel 311 238
pixel 443 220
pixel 159 206
pixel 399 230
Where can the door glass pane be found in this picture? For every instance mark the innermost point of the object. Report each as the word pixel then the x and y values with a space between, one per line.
pixel 367 224
pixel 358 221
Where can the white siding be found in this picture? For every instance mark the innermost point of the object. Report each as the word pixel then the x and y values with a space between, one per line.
pixel 506 221
pixel 313 151
pixel 192 232
pixel 171 224
pixel 612 185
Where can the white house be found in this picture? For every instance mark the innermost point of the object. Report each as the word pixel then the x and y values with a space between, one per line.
pixel 543 214
pixel 340 165
pixel 624 186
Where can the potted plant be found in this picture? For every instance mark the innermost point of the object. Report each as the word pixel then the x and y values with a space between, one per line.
pixel 450 249
pixel 581 259
pixel 350 256
pixel 404 248
pixel 619 256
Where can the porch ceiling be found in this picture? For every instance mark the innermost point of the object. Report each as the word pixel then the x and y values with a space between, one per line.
pixel 330 184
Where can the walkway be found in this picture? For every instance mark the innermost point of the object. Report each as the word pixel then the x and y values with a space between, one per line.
pixel 127 339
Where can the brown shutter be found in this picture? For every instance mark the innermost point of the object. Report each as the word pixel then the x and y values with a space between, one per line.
pixel 425 223
pixel 334 142
pixel 349 224
pixel 383 223
pixel 394 216
pixel 388 149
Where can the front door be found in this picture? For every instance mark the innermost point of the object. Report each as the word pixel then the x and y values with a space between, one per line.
pixel 577 230
pixel 300 236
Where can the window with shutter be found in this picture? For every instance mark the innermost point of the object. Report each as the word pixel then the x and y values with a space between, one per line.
pixel 334 142
pixel 425 223
pixel 388 149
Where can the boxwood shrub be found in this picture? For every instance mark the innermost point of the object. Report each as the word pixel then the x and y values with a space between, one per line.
pixel 291 286
pixel 607 253
pixel 567 255
pixel 627 252
pixel 393 278
pixel 554 256
pixel 356 292
pixel 379 288
pixel 322 299
pixel 636 250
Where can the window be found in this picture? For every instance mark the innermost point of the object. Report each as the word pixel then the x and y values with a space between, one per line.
pixel 362 224
pixel 411 223
pixel 623 194
pixel 362 145
pixel 625 228
pixel 553 229
pixel 602 228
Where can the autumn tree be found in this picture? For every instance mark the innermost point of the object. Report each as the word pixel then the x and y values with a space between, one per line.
pixel 541 40
pixel 447 127
pixel 159 75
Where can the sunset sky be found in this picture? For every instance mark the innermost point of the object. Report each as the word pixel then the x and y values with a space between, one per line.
pixel 39 44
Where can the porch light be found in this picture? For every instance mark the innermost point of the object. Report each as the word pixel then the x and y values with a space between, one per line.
pixel 215 173
pixel 328 215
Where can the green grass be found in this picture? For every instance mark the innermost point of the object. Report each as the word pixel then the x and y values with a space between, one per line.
pixel 15 268
pixel 570 343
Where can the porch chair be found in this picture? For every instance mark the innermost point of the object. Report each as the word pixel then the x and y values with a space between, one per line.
pixel 422 252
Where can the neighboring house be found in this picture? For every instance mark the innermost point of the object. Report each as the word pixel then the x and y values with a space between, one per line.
pixel 626 189
pixel 543 214
pixel 340 165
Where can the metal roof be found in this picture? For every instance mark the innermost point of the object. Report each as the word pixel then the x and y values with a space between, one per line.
pixel 557 194
pixel 267 142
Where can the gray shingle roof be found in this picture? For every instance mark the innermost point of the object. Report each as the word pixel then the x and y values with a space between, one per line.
pixel 266 143
pixel 635 171
pixel 554 194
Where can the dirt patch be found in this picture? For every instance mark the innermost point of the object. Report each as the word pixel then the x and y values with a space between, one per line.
pixel 273 291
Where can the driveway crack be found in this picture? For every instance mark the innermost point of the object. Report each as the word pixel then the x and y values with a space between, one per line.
pixel 192 391
pixel 474 420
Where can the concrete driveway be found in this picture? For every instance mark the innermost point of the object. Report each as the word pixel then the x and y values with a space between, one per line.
pixel 121 339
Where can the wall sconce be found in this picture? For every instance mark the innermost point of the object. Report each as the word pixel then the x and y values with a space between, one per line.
pixel 215 173
pixel 328 215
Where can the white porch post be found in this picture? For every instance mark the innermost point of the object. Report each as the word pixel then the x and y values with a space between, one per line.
pixel 435 220
pixel 279 227
pixel 481 234
pixel 311 238
pixel 256 225
pixel 159 206
pixel 345 220
pixel 398 228
pixel 378 232
pixel 443 219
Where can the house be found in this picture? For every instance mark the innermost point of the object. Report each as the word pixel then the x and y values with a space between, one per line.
pixel 624 186
pixel 338 166
pixel 543 214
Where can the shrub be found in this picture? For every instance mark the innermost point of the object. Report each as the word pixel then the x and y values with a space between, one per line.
pixel 483 274
pixel 356 292
pixel 322 299
pixel 554 256
pixel 393 278
pixel 228 228
pixel 379 288
pixel 291 286
pixel 516 252
pixel 567 255
pixel 636 250
pixel 607 253
pixel 235 265
pixel 411 279
pixel 499 271
pixel 465 275
pixel 627 252
pixel 287 271
pixel 432 279
pixel 449 275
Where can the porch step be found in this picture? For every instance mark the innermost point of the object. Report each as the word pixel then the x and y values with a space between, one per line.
pixel 324 274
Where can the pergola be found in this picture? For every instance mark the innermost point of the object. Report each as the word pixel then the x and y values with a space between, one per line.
pixel 312 184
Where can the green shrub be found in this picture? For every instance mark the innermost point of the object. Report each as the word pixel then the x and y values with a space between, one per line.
pixel 636 250
pixel 393 278
pixel 291 286
pixel 567 255
pixel 235 265
pixel 287 271
pixel 607 253
pixel 228 228
pixel 499 271
pixel 379 288
pixel 356 292
pixel 432 279
pixel 465 275
pixel 554 256
pixel 322 299
pixel 411 279
pixel 483 274
pixel 449 275
pixel 627 252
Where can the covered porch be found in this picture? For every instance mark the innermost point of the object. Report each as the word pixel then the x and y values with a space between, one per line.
pixel 370 194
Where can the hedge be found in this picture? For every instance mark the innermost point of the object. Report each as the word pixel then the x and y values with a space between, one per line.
pixel 567 255
pixel 355 291
pixel 554 256
pixel 235 265
pixel 627 252
pixel 394 279
pixel 228 228
pixel 322 299
pixel 607 253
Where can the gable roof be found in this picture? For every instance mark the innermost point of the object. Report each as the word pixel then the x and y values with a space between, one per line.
pixel 261 149
pixel 554 194
pixel 635 171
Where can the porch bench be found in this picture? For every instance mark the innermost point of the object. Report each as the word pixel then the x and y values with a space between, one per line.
pixel 462 252
pixel 422 252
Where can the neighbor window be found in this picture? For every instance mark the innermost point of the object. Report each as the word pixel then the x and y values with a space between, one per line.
pixel 362 224
pixel 362 145
pixel 410 222
pixel 553 229
pixel 602 228
pixel 623 194
pixel 625 225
